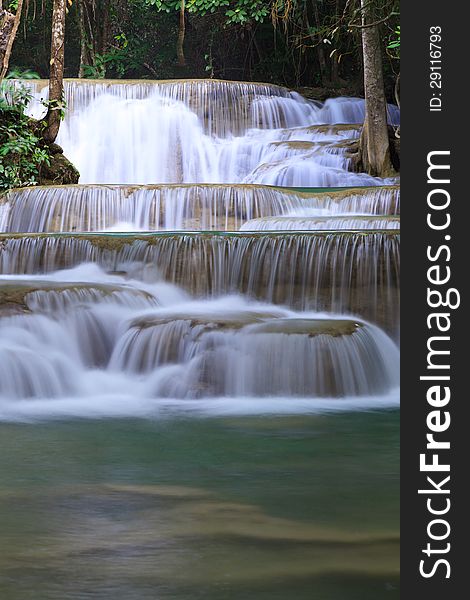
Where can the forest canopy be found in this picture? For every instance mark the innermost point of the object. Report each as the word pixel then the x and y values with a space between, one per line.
pixel 315 43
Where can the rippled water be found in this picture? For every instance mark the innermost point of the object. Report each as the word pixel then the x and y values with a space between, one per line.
pixel 229 507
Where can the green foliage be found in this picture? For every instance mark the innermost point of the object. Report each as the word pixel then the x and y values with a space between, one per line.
pixel 141 45
pixel 119 59
pixel 288 42
pixel 209 68
pixel 394 43
pixel 98 69
pixel 21 153
pixel 245 11
pixel 239 12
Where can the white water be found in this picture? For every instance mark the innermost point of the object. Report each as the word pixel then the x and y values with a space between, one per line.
pixel 188 207
pixel 318 223
pixel 207 131
pixel 131 405
pixel 91 337
pixel 112 326
pixel 337 272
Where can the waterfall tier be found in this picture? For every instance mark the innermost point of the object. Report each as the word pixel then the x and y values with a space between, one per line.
pixel 344 272
pixel 225 107
pixel 207 131
pixel 68 335
pixel 220 284
pixel 322 223
pixel 191 207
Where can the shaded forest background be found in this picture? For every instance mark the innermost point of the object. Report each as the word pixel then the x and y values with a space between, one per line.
pixel 321 47
pixel 297 43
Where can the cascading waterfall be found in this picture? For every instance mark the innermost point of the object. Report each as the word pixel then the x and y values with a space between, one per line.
pixel 258 355
pixel 329 223
pixel 4 215
pixel 207 132
pixel 65 339
pixel 223 106
pixel 210 282
pixel 184 207
pixel 355 273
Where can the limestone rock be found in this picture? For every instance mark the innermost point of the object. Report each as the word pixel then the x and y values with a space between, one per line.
pixel 60 171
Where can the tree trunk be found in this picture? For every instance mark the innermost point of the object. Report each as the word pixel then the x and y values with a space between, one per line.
pixel 105 27
pixel 94 26
pixel 56 77
pixel 85 54
pixel 335 78
pixel 374 144
pixel 181 33
pixel 9 24
pixel 320 49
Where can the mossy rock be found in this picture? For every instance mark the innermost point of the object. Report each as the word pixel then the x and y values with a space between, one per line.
pixel 296 145
pixel 334 128
pixel 321 94
pixel 309 327
pixel 14 294
pixel 259 322
pixel 228 320
pixel 60 171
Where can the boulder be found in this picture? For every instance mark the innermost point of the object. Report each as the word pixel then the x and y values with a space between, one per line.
pixel 60 171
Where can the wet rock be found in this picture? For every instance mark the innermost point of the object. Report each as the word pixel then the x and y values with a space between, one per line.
pixel 60 171
pixel 17 296
pixel 226 321
pixel 320 94
pixel 10 309
pixel 309 327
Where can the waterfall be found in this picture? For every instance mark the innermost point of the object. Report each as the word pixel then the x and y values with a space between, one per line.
pixel 4 214
pixel 98 330
pixel 207 131
pixel 354 273
pixel 219 248
pixel 283 357
pixel 223 106
pixel 330 223
pixel 185 207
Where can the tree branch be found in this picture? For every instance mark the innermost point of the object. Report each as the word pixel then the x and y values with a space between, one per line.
pixel 384 20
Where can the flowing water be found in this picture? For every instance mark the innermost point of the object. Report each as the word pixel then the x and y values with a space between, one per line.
pixel 199 366
pixel 191 207
pixel 208 132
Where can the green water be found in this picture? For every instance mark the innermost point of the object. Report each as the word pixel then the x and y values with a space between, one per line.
pixel 302 507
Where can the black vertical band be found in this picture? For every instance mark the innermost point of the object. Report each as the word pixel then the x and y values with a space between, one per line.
pixel 434 120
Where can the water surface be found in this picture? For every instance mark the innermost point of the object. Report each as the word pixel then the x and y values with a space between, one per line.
pixel 217 507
